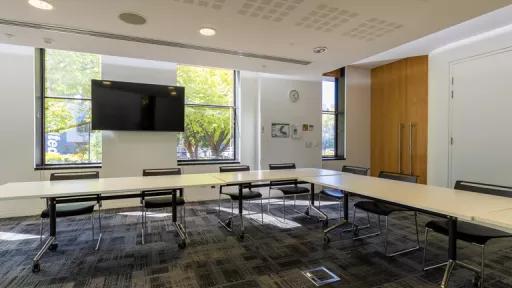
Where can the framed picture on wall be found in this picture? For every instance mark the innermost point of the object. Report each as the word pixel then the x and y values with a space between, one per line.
pixel 280 130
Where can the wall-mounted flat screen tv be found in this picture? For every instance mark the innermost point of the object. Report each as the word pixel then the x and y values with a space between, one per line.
pixel 137 107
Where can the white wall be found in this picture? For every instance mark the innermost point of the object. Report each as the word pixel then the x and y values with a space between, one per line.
pixel 275 107
pixel 439 89
pixel 262 98
pixel 357 119
pixel 17 118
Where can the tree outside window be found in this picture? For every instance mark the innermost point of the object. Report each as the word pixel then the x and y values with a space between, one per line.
pixel 329 117
pixel 210 114
pixel 67 137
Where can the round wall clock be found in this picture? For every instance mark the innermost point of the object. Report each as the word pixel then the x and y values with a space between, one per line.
pixel 294 95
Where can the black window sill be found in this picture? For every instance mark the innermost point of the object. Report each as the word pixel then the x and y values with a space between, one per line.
pixel 333 158
pixel 68 166
pixel 212 162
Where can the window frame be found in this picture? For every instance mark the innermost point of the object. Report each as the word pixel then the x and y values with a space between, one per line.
pixel 336 114
pixel 41 117
pixel 234 108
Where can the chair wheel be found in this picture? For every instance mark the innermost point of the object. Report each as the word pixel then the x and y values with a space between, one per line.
pixel 53 247
pixel 241 236
pixel 327 239
pixel 477 281
pixel 36 267
pixel 182 244
pixel 356 231
pixel 306 212
pixel 325 223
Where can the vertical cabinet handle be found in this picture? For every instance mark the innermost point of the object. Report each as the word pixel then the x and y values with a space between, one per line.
pixel 400 125
pixel 411 126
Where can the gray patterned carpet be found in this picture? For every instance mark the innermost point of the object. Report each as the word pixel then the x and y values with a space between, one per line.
pixel 272 255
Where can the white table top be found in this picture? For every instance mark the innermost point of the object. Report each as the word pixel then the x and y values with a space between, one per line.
pixel 498 219
pixel 467 206
pixel 43 189
pixel 271 175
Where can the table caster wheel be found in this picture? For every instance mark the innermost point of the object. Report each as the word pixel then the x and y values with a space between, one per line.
pixel 327 239
pixel 182 244
pixel 477 282
pixel 36 267
pixel 53 247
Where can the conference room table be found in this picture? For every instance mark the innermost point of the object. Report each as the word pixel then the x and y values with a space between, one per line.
pixel 483 209
pixel 85 190
pixel 477 208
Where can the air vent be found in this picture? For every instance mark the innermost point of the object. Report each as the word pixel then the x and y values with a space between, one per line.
pixel 214 4
pixel 326 18
pixel 372 29
pixel 271 10
pixel 76 31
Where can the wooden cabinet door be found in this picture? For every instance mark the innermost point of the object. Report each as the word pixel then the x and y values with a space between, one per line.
pixel 387 115
pixel 416 114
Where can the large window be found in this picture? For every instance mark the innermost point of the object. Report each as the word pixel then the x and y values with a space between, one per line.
pixel 333 107
pixel 66 108
pixel 210 114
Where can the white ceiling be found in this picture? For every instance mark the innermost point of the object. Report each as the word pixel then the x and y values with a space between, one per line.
pixel 351 29
pixel 477 27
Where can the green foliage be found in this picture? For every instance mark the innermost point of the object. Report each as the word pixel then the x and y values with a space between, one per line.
pixel 69 74
pixel 207 127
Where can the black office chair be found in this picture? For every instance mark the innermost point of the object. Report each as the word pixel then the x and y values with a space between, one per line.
pixel 247 194
pixel 468 232
pixel 339 195
pixel 75 209
pixel 151 199
pixel 383 209
pixel 287 187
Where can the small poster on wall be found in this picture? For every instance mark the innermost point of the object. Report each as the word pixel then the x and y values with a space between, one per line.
pixel 280 130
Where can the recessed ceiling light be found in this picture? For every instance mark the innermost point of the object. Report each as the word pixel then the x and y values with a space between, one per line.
pixel 207 31
pixel 319 49
pixel 132 18
pixel 41 4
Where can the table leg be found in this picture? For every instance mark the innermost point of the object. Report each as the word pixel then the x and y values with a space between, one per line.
pixel 311 206
pixel 452 251
pixel 179 227
pixel 51 243
pixel 345 206
pixel 241 210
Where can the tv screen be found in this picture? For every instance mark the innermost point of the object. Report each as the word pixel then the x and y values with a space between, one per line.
pixel 137 107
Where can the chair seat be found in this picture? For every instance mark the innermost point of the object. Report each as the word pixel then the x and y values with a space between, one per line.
pixel 334 193
pixel 246 194
pixel 293 190
pixel 378 208
pixel 66 210
pixel 468 232
pixel 162 202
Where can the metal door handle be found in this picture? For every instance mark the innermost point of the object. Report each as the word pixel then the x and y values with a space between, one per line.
pixel 411 126
pixel 400 125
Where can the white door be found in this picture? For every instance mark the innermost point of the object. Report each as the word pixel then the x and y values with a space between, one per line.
pixel 481 120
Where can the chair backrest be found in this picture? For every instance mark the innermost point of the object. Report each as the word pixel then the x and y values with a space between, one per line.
pixel 355 170
pixel 484 188
pixel 234 168
pixel 74 175
pixel 281 166
pixel 398 176
pixel 161 172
